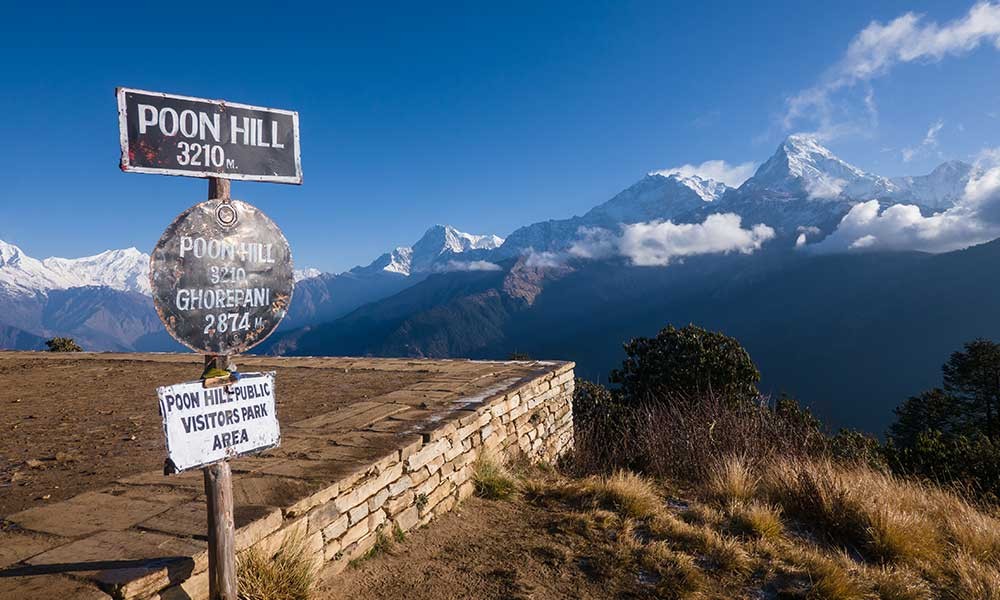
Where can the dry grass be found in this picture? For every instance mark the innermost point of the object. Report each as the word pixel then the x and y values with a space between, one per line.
pixel 797 528
pixel 899 584
pixel 288 575
pixel 625 493
pixel 492 479
pixel 678 575
pixel 756 520
pixel 731 480
pixel 970 579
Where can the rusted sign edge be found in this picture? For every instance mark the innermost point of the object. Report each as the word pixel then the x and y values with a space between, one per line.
pixel 123 141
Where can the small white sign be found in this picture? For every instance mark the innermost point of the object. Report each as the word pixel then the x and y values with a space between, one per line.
pixel 206 425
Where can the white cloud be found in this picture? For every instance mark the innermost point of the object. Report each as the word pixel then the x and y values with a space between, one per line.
pixel 719 170
pixel 804 232
pixel 658 242
pixel 974 219
pixel 474 265
pixel 880 47
pixel 594 243
pixel 929 142
pixel 544 260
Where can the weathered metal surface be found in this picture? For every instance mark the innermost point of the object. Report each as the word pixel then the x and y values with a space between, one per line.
pixel 206 425
pixel 221 277
pixel 169 134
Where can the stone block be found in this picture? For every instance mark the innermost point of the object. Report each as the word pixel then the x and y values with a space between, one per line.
pixel 408 518
pixel 322 516
pixel 400 485
pixel 354 533
pixel 358 513
pixel 426 454
pixel 428 486
pixel 376 501
pixel 336 529
pixel 196 586
pixel 395 505
pixel 367 488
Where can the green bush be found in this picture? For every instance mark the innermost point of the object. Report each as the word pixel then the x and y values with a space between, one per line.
pixel 63 344
pixel 686 363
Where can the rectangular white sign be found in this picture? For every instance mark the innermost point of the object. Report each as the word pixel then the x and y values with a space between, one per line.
pixel 206 425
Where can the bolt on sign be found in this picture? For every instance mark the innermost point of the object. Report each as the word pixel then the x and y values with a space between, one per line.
pixel 205 425
pixel 178 135
pixel 222 277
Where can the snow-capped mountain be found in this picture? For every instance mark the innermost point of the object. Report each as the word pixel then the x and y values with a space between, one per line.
pixel 440 242
pixel 301 274
pixel 654 197
pixel 123 270
pixel 802 168
pixel 939 189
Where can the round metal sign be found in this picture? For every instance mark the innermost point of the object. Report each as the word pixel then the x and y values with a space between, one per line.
pixel 222 277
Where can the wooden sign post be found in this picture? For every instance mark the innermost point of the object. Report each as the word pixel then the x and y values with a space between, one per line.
pixel 222 583
pixel 222 280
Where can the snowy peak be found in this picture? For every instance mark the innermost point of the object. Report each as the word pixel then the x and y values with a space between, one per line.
pixel 302 274
pixel 938 190
pixel 441 238
pixel 656 196
pixel 803 166
pixel 126 270
pixel 436 242
pixel 708 190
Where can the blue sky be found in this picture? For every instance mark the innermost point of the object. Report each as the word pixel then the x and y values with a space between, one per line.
pixel 486 117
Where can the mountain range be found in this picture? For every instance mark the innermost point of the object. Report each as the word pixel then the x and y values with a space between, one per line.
pixel 851 333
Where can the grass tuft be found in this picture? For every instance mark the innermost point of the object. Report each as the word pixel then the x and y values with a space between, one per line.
pixel 679 575
pixel 626 493
pixel 756 520
pixel 288 575
pixel 731 480
pixel 492 479
pixel 898 584
pixel 972 579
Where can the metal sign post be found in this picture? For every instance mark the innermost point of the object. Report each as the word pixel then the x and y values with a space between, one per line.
pixel 222 280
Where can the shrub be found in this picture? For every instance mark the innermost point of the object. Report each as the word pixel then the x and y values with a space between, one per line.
pixel 63 344
pixel 686 363
pixel 856 448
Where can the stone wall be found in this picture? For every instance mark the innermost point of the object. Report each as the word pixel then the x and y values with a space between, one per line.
pixel 534 420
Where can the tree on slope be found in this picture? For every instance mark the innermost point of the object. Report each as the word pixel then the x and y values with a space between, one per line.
pixel 686 363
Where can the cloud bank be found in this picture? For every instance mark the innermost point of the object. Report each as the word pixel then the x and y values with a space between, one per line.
pixel 474 265
pixel 974 219
pixel 658 243
pixel 719 170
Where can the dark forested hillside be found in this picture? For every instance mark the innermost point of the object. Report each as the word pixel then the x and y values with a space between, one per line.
pixel 851 335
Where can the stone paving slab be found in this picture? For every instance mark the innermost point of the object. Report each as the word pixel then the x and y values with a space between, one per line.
pixel 127 563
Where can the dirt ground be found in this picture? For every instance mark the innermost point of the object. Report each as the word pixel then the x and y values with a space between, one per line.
pixel 488 550
pixel 70 426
